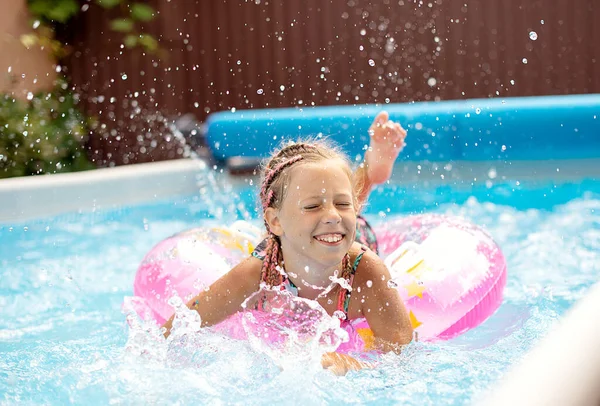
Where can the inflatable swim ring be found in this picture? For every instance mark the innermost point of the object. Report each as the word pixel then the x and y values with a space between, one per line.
pixel 449 272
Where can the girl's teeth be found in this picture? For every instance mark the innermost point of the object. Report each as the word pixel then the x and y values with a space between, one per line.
pixel 330 238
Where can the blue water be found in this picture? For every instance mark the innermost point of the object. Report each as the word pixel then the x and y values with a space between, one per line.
pixel 64 339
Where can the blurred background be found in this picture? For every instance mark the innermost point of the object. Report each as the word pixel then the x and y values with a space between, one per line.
pixel 96 83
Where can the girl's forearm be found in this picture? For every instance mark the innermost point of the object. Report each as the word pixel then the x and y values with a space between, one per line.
pixel 365 185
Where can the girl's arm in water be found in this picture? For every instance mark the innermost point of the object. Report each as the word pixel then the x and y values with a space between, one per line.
pixel 226 295
pixel 381 305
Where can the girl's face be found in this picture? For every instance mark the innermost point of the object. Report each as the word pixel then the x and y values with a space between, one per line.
pixel 316 222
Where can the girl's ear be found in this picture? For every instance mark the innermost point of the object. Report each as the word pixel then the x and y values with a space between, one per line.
pixel 272 219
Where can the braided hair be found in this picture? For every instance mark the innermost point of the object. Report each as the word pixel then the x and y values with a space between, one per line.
pixel 275 177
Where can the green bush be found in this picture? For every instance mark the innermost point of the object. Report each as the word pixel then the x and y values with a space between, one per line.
pixel 44 134
pixel 130 15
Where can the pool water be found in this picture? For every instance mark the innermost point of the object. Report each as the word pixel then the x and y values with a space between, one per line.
pixel 64 338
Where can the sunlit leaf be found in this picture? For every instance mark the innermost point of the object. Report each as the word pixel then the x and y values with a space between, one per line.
pixel 149 42
pixel 28 40
pixel 142 12
pixel 121 25
pixel 108 3
pixel 130 41
pixel 59 10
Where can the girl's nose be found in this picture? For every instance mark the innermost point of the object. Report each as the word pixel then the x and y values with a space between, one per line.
pixel 331 215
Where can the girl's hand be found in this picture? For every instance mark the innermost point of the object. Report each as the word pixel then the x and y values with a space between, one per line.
pixel 340 364
pixel 387 140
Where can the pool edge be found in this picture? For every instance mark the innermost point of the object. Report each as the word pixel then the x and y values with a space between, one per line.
pixel 29 198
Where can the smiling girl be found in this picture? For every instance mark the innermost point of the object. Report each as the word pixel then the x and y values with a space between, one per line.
pixel 310 200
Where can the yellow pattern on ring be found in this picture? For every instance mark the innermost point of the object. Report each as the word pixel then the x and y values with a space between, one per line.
pixel 413 320
pixel 235 241
pixel 368 338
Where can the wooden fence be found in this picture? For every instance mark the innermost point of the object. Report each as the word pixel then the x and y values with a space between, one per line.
pixel 224 54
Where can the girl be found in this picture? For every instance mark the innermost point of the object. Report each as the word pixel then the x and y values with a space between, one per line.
pixel 310 200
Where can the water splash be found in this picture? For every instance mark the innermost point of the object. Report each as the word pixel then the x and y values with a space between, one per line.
pixel 294 331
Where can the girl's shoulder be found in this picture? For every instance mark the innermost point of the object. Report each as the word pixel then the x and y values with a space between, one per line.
pixel 366 262
pixel 245 275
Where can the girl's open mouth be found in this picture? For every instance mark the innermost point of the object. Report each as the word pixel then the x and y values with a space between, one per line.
pixel 330 239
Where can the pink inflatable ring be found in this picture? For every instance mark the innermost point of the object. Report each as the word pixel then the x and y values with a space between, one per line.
pixel 449 272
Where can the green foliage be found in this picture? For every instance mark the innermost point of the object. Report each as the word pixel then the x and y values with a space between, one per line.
pixel 108 3
pixel 142 12
pixel 121 25
pixel 54 10
pixel 147 41
pixel 51 12
pixel 42 135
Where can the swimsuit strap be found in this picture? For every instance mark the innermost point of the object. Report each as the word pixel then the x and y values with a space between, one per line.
pixel 259 251
pixel 344 297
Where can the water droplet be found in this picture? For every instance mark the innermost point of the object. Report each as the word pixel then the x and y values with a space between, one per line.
pixel 492 173
pixel 58 68
pixel 260 91
pixel 503 148
pixel 339 314
pixel 432 82
pixel 371 62
pixel 306 269
pixel 36 24
pixel 282 88
pixel 512 82
pixel 175 301
pixel 124 76
pixel 477 110
pixel 390 45
pixel 196 104
pixel 330 301
pixel 525 61
pixel 323 190
pixel 29 96
pixel 363 32
pixel 533 35
pixel 542 22
pixel 369 283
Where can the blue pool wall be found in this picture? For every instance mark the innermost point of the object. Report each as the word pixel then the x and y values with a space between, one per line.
pixel 525 128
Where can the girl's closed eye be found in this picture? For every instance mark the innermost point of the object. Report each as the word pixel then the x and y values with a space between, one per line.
pixel 310 207
pixel 344 204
